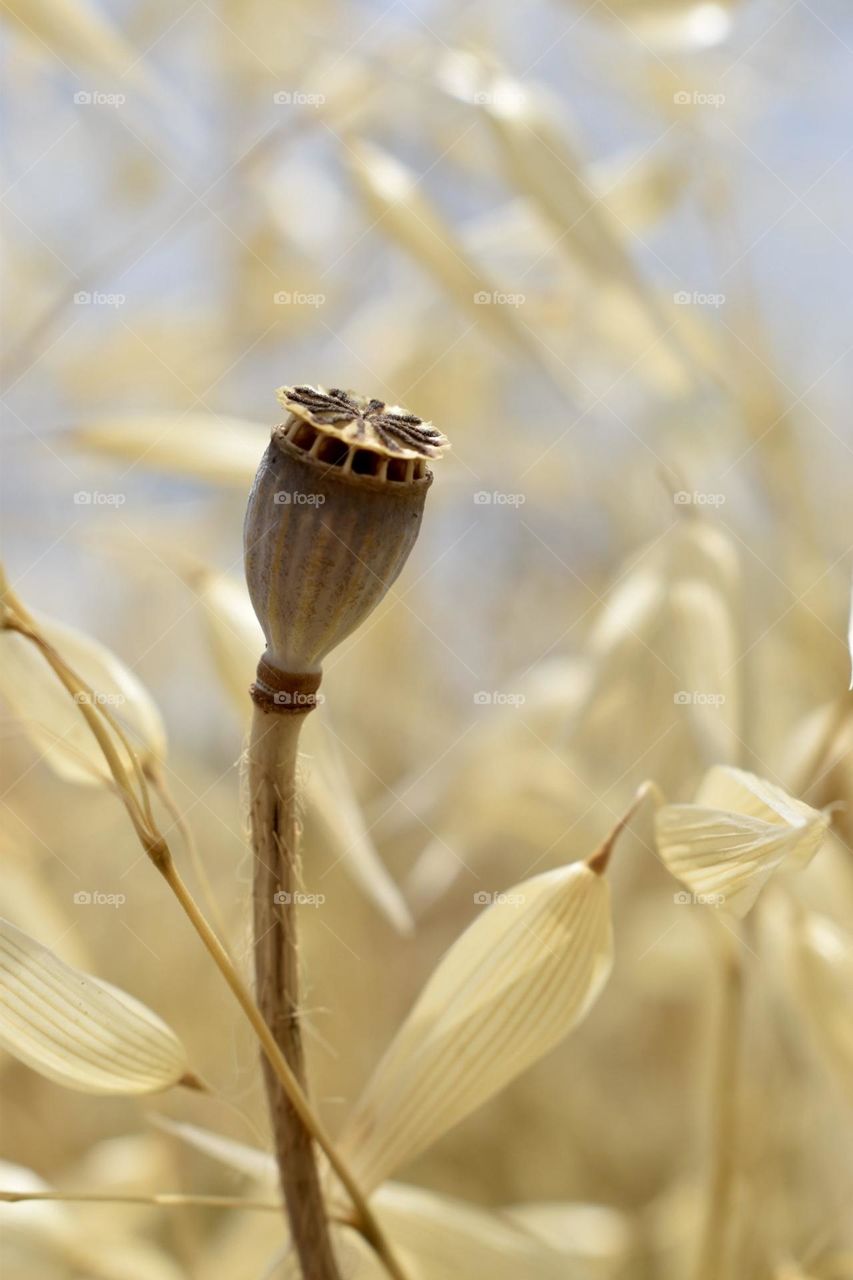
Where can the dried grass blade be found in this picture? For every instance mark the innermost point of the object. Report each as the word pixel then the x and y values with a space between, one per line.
pixel 511 987
pixel 251 1161
pixel 391 193
pixel 823 954
pixel 447 1239
pixel 77 1030
pixel 49 716
pixel 742 828
pixel 82 38
pixel 216 449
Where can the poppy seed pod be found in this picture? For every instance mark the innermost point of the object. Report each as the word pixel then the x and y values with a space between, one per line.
pixel 333 514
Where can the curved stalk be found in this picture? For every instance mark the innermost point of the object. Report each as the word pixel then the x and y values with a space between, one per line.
pixel 158 1199
pixel 15 617
pixel 156 777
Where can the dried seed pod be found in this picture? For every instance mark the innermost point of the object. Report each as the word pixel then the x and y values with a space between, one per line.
pixel 334 512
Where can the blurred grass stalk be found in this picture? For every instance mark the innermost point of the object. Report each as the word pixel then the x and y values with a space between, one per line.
pixel 713 1252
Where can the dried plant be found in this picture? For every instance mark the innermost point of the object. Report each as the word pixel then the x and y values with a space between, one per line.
pixel 328 528
pixel 451 896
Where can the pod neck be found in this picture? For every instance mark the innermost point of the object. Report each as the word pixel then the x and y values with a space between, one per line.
pixel 280 692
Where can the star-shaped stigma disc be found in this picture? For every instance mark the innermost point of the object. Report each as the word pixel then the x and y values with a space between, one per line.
pixel 370 424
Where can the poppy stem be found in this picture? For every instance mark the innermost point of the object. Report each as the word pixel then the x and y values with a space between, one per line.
pixel 272 790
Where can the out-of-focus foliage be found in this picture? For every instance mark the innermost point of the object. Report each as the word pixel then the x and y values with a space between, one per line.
pixel 605 249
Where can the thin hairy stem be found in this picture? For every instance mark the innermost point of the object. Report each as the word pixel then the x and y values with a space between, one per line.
pixel 272 790
pixel 365 1221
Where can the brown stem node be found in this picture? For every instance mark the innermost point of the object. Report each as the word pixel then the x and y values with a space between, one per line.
pixel 284 692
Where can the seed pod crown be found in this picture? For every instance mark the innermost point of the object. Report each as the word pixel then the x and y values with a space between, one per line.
pixel 360 426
